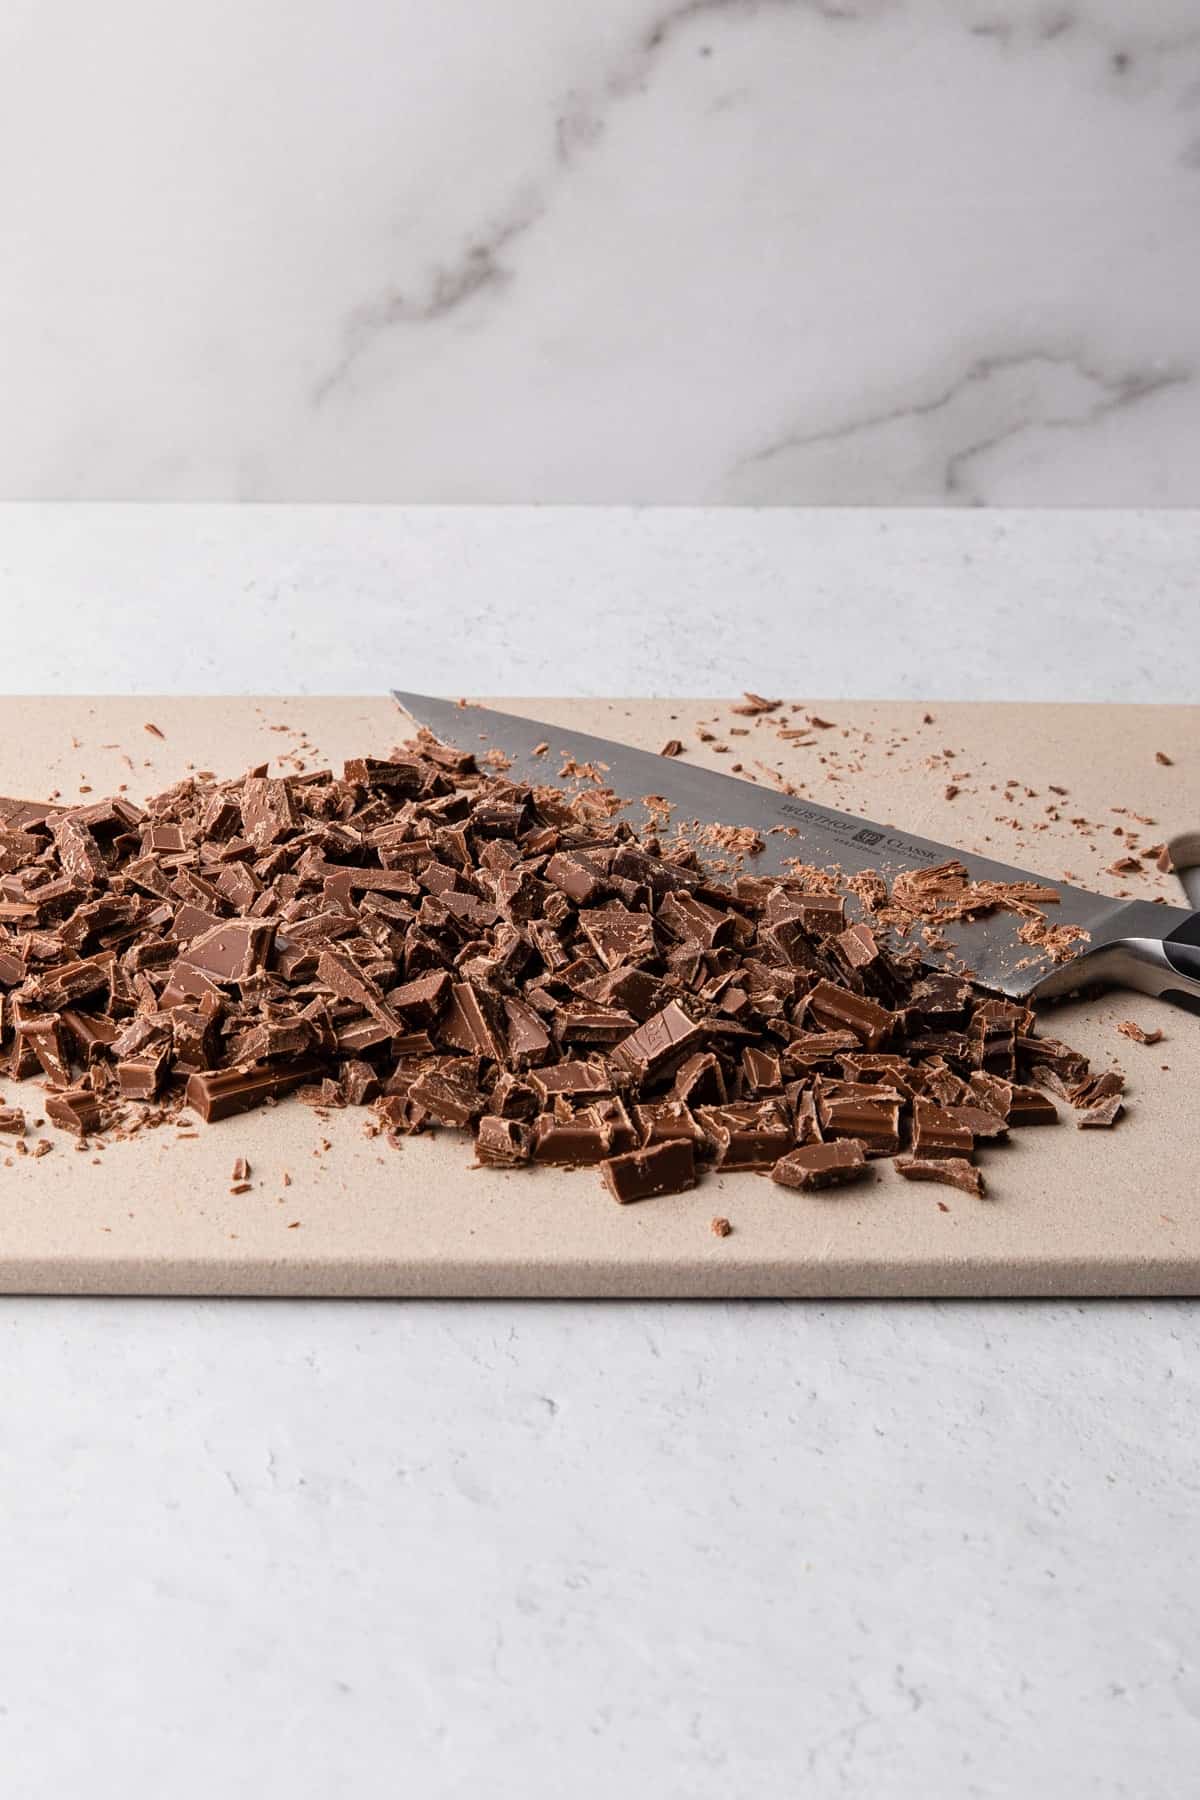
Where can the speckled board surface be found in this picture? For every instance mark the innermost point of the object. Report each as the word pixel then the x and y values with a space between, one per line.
pixel 1069 1212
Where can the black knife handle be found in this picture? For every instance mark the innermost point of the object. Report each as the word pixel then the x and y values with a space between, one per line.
pixel 1181 948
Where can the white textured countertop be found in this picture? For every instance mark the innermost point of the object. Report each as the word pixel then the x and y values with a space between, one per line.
pixel 760 251
pixel 937 1550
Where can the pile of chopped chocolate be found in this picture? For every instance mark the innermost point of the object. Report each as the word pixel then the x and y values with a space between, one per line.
pixel 450 948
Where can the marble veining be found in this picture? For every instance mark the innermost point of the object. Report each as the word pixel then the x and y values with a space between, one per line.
pixel 722 251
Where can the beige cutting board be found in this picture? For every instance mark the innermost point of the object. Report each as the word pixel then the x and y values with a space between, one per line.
pixel 1069 1211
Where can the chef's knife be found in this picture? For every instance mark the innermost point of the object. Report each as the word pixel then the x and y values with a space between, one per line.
pixel 1130 943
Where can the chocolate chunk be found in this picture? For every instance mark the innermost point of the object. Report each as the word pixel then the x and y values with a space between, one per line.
pixel 220 1093
pixel 746 1135
pixel 700 1081
pixel 466 1024
pixel 139 1077
pixel 951 1171
pixel 937 1132
pixel 646 1174
pixel 583 1138
pixel 618 936
pixel 831 1007
pixel 448 1094
pixel 1105 1112
pixel 571 1078
pixel 528 1039
pixel 1095 1088
pixel 661 1119
pixel 232 951
pixel 419 1002
pixel 656 1048
pixel 75 1109
pixel 575 876
pixel 12 1120
pixel 504 1143
pixel 401 778
pixel 822 1165
pixel 1029 1107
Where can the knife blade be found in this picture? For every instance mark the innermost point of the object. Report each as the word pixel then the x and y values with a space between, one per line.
pixel 795 828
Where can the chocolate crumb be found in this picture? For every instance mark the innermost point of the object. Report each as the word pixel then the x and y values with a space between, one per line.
pixel 1130 1029
pixel 672 747
pixel 720 1227
pixel 1160 756
pixel 154 731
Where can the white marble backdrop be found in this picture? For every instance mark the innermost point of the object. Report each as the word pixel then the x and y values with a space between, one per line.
pixel 780 251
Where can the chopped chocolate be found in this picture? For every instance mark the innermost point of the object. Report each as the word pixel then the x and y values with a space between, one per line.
pixel 231 951
pixel 582 1137
pixel 76 1109
pixel 1105 1112
pixel 657 1169
pixel 219 1093
pixel 501 1142
pixel 745 1135
pixel 12 1121
pixel 822 1165
pixel 952 1171
pixel 427 936
pixel 939 1132
pixel 139 1077
pixel 830 1007
pixel 657 1048
pixel 720 1227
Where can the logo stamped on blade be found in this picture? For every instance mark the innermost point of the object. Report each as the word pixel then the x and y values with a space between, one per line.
pixel 835 823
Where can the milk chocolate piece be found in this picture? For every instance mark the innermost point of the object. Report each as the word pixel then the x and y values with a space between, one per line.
pixel 1029 1107
pixel 139 1077
pixel 1104 1113
pixel 48 1042
pixel 746 1135
pixel 951 1171
pixel 832 1007
pixel 220 1093
pixel 268 811
pixel 700 1081
pixel 581 1139
pixel 661 1044
pixel 648 1173
pixel 504 1143
pixel 466 1025
pixel 1095 1088
pixel 231 951
pixel 75 1109
pixel 937 1132
pixel 618 936
pixel 393 778
pixel 578 878
pixel 12 1120
pixel 448 1094
pixel 661 1119
pixel 571 1078
pixel 822 1165
pixel 528 1039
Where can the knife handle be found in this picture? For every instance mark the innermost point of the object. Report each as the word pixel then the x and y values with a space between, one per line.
pixel 1168 967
